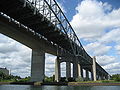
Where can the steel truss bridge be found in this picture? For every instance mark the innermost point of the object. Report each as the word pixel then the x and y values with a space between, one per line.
pixel 46 20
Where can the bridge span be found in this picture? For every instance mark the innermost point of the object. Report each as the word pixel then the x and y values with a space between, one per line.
pixel 42 26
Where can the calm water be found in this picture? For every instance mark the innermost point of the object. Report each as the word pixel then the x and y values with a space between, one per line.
pixel 28 87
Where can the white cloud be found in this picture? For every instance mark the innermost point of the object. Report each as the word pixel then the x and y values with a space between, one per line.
pixel 113 68
pixel 111 36
pixel 97 48
pixel 50 65
pixel 93 18
pixel 117 47
pixel 105 60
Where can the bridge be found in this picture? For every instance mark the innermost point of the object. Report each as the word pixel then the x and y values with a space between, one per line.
pixel 42 26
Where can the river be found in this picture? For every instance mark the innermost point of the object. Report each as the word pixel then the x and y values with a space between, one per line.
pixel 29 87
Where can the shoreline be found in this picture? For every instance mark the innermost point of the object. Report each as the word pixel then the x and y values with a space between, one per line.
pixel 92 84
pixel 60 84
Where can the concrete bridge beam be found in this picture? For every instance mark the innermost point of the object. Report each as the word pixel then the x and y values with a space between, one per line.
pixel 37 65
pixel 57 70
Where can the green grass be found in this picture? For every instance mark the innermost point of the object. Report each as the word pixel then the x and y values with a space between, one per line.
pixel 12 80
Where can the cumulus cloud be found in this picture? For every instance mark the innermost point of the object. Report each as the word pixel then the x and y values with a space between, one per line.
pixel 93 18
pixel 113 68
pixel 117 47
pixel 105 60
pixel 50 65
pixel 97 48
pixel 111 36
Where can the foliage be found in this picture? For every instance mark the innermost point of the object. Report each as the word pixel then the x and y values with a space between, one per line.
pixel 26 79
pixel 116 77
pixel 79 79
pixel 63 79
pixel 70 79
pixel 6 78
pixel 49 79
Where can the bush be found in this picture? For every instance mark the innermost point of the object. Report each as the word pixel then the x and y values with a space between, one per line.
pixel 79 79
pixel 116 77
pixel 63 79
pixel 49 79
pixel 26 79
pixel 70 79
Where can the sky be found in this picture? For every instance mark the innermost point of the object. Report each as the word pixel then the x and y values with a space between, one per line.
pixel 97 25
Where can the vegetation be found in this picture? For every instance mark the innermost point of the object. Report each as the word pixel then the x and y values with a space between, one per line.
pixel 116 77
pixel 8 78
pixel 26 79
pixel 50 79
pixel 11 78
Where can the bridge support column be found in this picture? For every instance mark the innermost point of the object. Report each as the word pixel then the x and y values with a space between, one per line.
pixel 92 76
pixel 57 70
pixel 68 70
pixel 75 70
pixel 87 75
pixel 94 68
pixel 80 71
pixel 37 65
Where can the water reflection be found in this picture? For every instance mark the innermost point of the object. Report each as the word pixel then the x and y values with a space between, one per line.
pixel 28 87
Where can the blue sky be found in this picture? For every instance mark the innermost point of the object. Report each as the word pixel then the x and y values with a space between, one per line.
pixel 70 5
pixel 97 24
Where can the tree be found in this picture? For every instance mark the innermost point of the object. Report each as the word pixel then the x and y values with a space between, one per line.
pixel 116 77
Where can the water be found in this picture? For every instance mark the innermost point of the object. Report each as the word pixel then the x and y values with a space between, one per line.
pixel 28 87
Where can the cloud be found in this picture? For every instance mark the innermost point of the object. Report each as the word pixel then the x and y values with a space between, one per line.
pixel 117 47
pixel 113 68
pixel 105 60
pixel 93 18
pixel 111 36
pixel 97 48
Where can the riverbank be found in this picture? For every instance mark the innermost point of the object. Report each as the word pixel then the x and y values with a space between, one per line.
pixel 92 84
pixel 61 83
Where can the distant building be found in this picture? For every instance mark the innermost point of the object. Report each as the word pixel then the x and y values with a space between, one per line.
pixel 4 70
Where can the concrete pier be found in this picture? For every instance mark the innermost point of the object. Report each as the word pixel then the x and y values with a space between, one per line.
pixel 87 74
pixel 57 70
pixel 94 68
pixel 80 71
pixel 91 76
pixel 68 70
pixel 37 65
pixel 75 70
